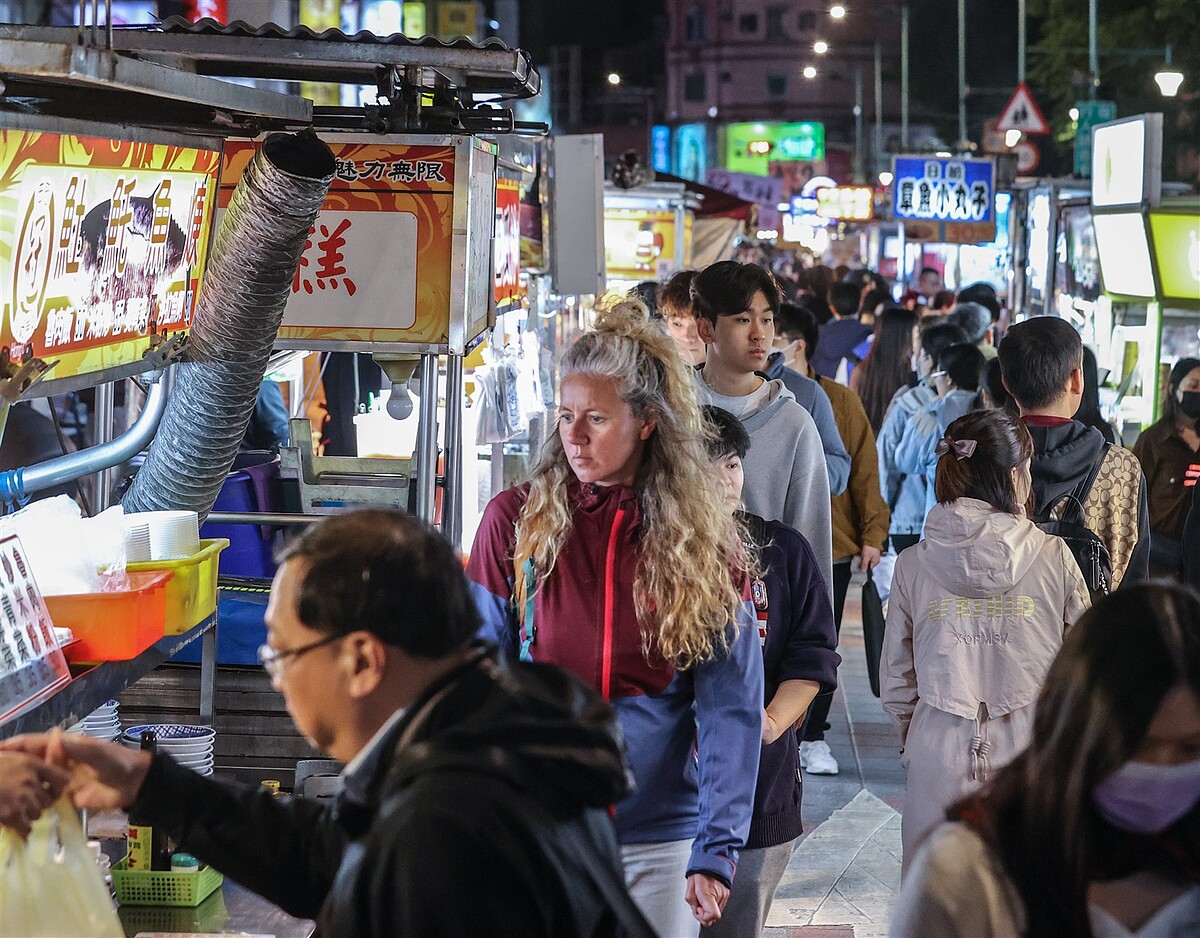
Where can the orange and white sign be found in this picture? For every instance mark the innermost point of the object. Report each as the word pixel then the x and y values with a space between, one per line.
pixel 379 265
pixel 506 264
pixel 102 244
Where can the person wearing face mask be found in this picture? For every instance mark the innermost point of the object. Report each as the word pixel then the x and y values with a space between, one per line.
pixel 1094 830
pixel 1166 451
pixel 977 613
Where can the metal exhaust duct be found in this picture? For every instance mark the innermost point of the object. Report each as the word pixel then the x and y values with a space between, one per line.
pixel 254 258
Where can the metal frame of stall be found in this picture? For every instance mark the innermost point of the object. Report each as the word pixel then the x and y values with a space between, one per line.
pixel 166 82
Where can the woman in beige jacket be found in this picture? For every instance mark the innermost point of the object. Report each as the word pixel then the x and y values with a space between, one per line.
pixel 977 613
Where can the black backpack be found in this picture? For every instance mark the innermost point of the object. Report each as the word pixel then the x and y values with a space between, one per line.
pixel 1088 549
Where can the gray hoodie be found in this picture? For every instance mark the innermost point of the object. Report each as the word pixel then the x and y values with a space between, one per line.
pixel 786 479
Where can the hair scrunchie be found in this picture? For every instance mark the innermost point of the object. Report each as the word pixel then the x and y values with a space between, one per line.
pixel 961 448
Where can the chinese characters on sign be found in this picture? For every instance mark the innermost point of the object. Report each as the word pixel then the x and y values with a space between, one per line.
pixel 377 265
pixel 945 199
pixel 104 246
pixel 31 662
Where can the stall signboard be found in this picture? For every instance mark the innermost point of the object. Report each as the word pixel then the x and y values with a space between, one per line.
pixel 660 148
pixel 640 244
pixel 751 146
pixel 691 151
pixel 32 665
pixel 846 203
pixel 1124 252
pixel 401 252
pixel 948 200
pixel 506 245
pixel 1176 240
pixel 102 245
pixel 1127 163
pixel 765 190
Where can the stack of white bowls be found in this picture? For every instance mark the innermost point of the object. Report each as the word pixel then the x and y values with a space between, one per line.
pixel 173 534
pixel 137 539
pixel 102 723
pixel 190 746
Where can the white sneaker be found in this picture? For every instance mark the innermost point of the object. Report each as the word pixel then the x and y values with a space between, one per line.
pixel 816 759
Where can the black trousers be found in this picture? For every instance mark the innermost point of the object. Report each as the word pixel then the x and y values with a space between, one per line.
pixel 818 714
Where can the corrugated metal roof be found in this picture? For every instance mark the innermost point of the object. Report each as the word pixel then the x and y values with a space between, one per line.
pixel 211 27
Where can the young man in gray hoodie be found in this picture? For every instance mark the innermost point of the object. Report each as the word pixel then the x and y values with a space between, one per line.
pixel 786 478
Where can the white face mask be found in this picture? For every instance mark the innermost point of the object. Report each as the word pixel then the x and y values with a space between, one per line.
pixel 1145 798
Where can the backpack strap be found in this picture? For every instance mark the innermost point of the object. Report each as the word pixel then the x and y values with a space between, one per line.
pixel 1080 493
pixel 527 628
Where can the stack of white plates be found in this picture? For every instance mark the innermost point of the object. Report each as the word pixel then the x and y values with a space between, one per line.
pixel 102 723
pixel 173 534
pixel 137 540
pixel 190 746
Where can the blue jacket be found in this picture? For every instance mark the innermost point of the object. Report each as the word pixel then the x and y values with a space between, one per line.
pixel 798 645
pixel 904 492
pixel 915 454
pixel 812 397
pixel 693 737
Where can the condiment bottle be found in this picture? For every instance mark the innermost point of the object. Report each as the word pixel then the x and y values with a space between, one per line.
pixel 140 855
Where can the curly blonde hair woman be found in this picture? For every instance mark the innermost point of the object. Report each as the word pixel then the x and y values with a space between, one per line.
pixel 619 562
pixel 686 526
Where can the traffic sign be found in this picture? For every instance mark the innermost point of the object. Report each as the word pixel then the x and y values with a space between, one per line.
pixel 1028 157
pixel 1022 113
pixel 1091 113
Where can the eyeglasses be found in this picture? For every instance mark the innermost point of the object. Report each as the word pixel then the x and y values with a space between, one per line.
pixel 272 659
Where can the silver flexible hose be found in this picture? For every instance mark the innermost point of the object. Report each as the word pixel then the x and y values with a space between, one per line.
pixel 253 260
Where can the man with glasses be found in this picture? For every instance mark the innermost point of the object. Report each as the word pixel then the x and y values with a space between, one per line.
pixel 475 793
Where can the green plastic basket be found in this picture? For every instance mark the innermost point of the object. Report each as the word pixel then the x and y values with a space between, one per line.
pixel 162 887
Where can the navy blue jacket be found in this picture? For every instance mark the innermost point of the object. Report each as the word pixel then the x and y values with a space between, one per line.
pixel 838 339
pixel 799 645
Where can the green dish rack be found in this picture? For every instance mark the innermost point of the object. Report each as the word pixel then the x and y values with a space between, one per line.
pixel 162 887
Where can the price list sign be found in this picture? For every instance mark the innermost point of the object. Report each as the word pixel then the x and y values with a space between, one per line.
pixel 31 662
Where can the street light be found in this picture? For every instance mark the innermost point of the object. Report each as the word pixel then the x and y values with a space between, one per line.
pixel 1168 81
pixel 885 178
pixel 837 11
pixel 614 79
pixel 1012 137
pixel 1073 113
pixel 810 72
pixel 820 47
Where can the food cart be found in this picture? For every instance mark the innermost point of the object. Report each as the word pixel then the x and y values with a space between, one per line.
pixel 173 136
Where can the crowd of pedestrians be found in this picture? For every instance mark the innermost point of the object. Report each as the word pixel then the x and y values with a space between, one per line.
pixel 683 549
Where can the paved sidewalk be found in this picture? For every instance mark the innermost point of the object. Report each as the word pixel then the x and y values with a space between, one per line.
pixel 843 878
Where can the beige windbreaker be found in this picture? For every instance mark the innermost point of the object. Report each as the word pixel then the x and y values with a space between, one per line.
pixel 977 613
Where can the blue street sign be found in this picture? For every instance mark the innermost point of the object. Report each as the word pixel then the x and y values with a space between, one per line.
pixel 944 190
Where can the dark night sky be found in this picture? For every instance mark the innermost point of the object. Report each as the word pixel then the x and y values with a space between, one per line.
pixel 627 35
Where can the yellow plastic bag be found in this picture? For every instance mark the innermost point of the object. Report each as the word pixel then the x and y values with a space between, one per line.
pixel 50 884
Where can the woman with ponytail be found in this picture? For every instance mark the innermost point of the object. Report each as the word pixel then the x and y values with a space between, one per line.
pixel 977 613
pixel 620 562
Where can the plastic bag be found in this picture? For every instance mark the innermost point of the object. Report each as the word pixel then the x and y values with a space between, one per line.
pixel 50 884
pixel 70 554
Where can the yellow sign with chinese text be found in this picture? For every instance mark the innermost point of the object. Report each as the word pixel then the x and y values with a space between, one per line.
pixel 102 245
pixel 384 262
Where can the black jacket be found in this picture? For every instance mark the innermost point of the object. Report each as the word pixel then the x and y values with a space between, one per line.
pixel 477 824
